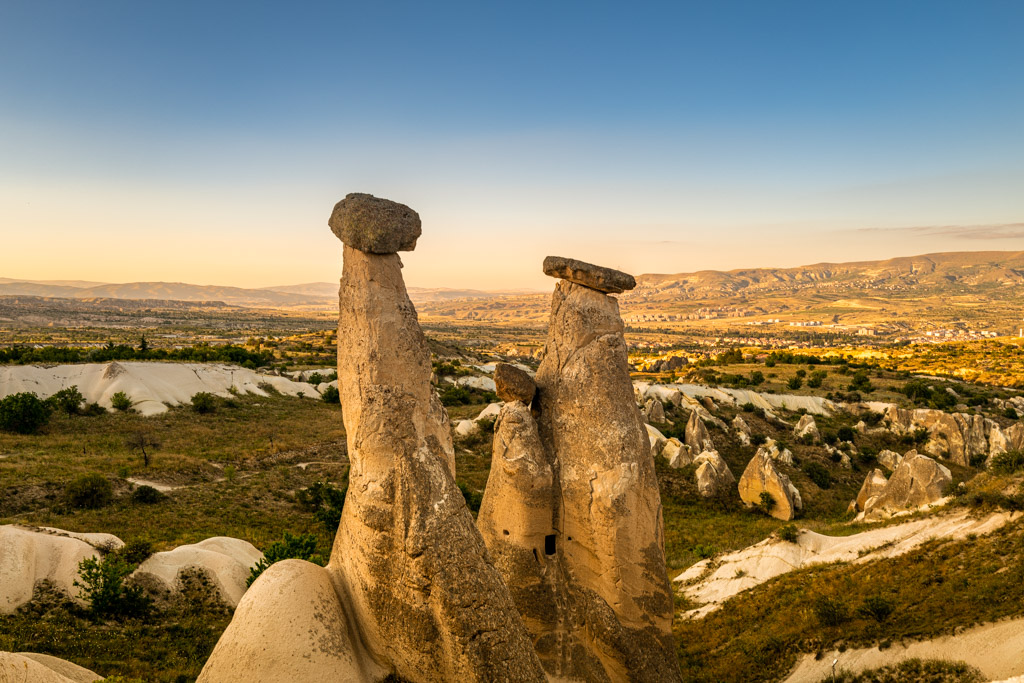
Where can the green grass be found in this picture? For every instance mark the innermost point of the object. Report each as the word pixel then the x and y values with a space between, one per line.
pixel 919 670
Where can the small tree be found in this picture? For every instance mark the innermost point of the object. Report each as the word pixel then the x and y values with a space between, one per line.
pixel 120 401
pixel 90 492
pixel 23 413
pixel 140 441
pixel 67 400
pixel 103 587
pixel 301 547
pixel 331 395
pixel 325 501
pixel 204 402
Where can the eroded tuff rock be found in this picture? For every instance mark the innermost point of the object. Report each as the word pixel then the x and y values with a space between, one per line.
pixel 742 430
pixel 917 481
pixel 957 437
pixel 374 225
pixel 873 485
pixel 602 279
pixel 713 474
pixel 806 426
pixel 30 667
pixel 762 475
pixel 599 607
pixel 513 384
pixel 697 436
pixel 654 411
pixel 409 573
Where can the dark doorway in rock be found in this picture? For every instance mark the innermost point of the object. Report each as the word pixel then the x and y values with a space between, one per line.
pixel 549 545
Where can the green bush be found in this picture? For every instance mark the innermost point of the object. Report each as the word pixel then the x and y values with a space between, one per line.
pixel 89 492
pixel 816 379
pixel 1010 413
pixel 473 497
pixel 846 433
pixel 875 607
pixel 795 383
pixel 103 587
pixel 789 533
pixel 121 402
pixel 325 501
pixel 23 413
pixel 830 611
pixel 204 402
pixel 147 495
pixel 766 503
pixel 1007 463
pixel 331 395
pixel 453 395
pixel 817 473
pixel 67 400
pixel 302 547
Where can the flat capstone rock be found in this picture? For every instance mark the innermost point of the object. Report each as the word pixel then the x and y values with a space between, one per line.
pixel 602 279
pixel 513 384
pixel 374 225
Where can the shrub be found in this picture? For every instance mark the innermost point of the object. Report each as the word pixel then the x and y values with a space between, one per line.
pixel 121 402
pixel 1010 413
pixel 89 492
pixel 147 495
pixel 830 611
pixel 325 501
pixel 331 395
pixel 861 382
pixel 473 498
pixel 1007 463
pixel 315 379
pixel 67 400
pixel 302 547
pixel 766 503
pixel 93 410
pixel 103 587
pixel 789 533
pixel 846 433
pixel 817 473
pixel 453 395
pixel 875 607
pixel 756 379
pixel 204 402
pixel 23 413
pixel 748 407
pixel 795 383
pixel 816 379
pixel 758 439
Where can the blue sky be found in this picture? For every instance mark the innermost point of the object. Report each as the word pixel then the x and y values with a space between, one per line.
pixel 208 141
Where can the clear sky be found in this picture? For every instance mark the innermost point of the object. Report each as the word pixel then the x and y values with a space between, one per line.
pixel 207 142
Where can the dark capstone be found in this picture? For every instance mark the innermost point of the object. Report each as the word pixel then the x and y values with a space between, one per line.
pixel 374 225
pixel 513 384
pixel 602 279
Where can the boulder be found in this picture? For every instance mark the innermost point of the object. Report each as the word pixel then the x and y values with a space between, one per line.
pixel 466 428
pixel 654 411
pixel 697 436
pixel 30 556
pixel 513 384
pixel 606 280
pixel 374 225
pixel 226 563
pixel 955 436
pixel 770 449
pixel 762 475
pixel 477 382
pixel 491 412
pixel 291 626
pixel 655 438
pixel 36 668
pixel 806 426
pixel 917 481
pixel 890 459
pixel 713 474
pixel 742 430
pixel 677 453
pixel 873 485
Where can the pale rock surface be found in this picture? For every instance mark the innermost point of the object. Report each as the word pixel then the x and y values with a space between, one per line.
pixel 291 626
pixel 763 475
pixel 697 436
pixel 226 562
pixel 491 412
pixel 771 450
pixel 151 386
pixel 676 453
pixel 917 481
pixel 955 436
pixel 616 620
pixel 654 411
pixel 713 474
pixel 29 667
pixel 742 430
pixel 806 426
pixel 655 438
pixel 711 584
pixel 466 428
pixel 872 487
pixel 890 459
pixel 31 555
pixel 477 382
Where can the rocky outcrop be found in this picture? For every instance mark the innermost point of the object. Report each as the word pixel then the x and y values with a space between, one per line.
pixel 513 384
pixel 30 556
pixel 410 582
pixel 676 453
pixel 806 427
pixel 957 437
pixel 742 430
pixel 713 474
pixel 654 411
pixel 770 449
pixel 593 590
pixel 36 668
pixel 225 562
pixel 656 439
pixel 917 481
pixel 762 475
pixel 697 436
pixel 872 487
pixel 890 459
pixel 373 225
pixel 606 280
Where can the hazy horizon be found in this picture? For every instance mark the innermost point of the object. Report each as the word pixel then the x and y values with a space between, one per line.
pixel 200 143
